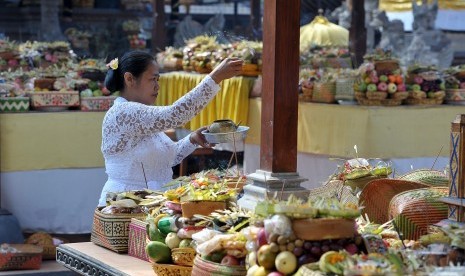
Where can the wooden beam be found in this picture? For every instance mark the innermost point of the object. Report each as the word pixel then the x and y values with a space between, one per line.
pixel 281 25
pixel 358 32
pixel 159 30
pixel 255 14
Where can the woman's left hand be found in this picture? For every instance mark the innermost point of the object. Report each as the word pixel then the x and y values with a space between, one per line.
pixel 196 137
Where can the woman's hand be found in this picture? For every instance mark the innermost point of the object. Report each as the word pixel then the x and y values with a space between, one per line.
pixel 198 138
pixel 228 68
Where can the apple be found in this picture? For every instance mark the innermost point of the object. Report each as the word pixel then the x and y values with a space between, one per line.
pixel 418 80
pixel 367 80
pixel 383 78
pixel 261 237
pixel 265 257
pixel 392 88
pixel 286 262
pixel 229 260
pixel 362 87
pixel 374 79
pixel 382 86
pixel 401 87
pixel 372 87
pixel 275 273
pixel 416 87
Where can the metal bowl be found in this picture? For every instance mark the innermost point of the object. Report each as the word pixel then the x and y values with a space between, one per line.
pixel 228 137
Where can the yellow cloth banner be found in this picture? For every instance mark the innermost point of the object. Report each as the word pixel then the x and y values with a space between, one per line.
pixel 232 102
pixel 37 141
pixel 406 5
pixel 378 132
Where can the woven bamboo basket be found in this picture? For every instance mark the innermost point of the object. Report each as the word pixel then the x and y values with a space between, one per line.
pixel 137 240
pixel 324 92
pixel 44 83
pixel 183 256
pixel 455 96
pixel 425 176
pixel 378 194
pixel 345 89
pixel 400 95
pixel 250 70
pixel 27 256
pixel 386 66
pixel 207 268
pixel 305 98
pixel 386 102
pixel 171 270
pixel 191 208
pixel 415 210
pixel 376 95
pixel 112 230
pixel 335 188
pixel 417 98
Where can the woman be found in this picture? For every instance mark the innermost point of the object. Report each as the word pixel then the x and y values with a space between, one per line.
pixel 134 145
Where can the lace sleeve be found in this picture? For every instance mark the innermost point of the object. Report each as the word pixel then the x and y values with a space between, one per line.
pixel 128 123
pixel 184 147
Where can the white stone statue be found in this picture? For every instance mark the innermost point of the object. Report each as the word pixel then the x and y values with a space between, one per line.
pixel 424 15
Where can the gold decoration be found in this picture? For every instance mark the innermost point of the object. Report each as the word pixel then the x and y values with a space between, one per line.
pixel 406 5
pixel 321 32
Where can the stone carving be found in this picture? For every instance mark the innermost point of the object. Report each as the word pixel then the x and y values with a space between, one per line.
pixel 189 28
pixel 424 15
pixel 429 46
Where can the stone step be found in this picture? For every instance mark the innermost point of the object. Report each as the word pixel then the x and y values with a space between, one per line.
pixel 48 268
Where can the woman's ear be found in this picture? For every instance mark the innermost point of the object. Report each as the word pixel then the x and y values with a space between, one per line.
pixel 129 79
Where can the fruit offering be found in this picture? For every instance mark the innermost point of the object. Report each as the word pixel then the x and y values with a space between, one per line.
pixel 425 85
pixel 378 83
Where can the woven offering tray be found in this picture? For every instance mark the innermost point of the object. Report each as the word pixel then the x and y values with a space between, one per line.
pixel 376 98
pixel 323 228
pixel 20 256
pixel 171 270
pixel 183 256
pixel 229 137
pixel 377 195
pixel 455 96
pixel 419 99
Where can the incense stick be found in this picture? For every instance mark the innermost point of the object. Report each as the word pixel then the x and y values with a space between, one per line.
pixel 143 171
pixel 439 153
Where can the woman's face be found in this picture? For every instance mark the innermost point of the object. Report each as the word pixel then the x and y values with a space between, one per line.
pixel 146 86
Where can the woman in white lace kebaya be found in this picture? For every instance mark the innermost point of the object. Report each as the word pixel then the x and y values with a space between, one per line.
pixel 133 138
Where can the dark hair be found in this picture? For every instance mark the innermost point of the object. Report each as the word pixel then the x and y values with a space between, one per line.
pixel 134 62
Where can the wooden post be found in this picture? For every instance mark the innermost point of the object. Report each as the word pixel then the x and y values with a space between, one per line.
pixel 357 32
pixel 158 30
pixel 456 198
pixel 281 31
pixel 255 15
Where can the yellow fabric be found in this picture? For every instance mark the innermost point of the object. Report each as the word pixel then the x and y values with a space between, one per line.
pixel 383 132
pixel 322 32
pixel 406 5
pixel 232 102
pixel 36 141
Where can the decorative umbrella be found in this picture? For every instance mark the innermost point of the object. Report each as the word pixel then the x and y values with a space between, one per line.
pixel 321 32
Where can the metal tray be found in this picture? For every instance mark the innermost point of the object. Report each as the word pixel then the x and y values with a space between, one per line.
pixel 229 137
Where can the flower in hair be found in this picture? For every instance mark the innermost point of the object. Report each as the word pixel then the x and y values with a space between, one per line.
pixel 113 64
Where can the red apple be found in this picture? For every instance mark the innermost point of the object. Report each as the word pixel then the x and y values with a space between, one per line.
pixel 229 260
pixel 261 237
pixel 275 273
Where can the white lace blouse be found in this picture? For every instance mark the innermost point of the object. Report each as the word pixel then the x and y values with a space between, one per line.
pixel 133 136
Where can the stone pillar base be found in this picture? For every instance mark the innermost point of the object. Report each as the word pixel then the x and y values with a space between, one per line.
pixel 267 184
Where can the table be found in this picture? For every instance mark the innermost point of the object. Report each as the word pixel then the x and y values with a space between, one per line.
pixel 89 259
pixel 52 170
